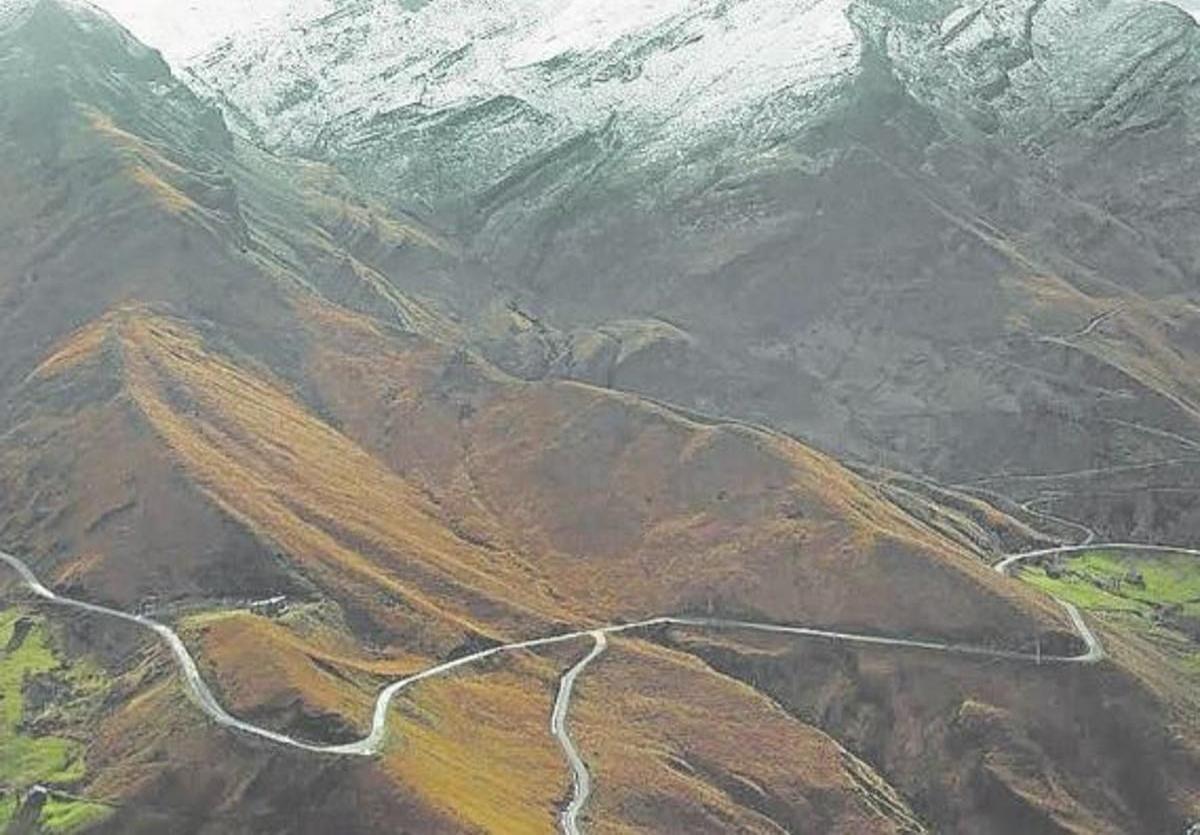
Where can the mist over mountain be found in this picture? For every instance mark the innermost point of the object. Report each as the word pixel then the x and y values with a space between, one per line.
pixel 875 225
pixel 534 416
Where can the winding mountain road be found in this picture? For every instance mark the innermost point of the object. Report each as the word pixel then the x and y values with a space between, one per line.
pixel 1015 559
pixel 373 743
pixel 580 778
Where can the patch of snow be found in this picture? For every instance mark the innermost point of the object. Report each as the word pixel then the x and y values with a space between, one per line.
pixel 13 12
pixel 183 29
pixel 955 19
pixel 1192 7
pixel 585 26
pixel 580 61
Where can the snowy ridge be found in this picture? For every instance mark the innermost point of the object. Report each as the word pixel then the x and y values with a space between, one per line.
pixel 690 62
pixel 184 29
pixel 1022 68
pixel 12 12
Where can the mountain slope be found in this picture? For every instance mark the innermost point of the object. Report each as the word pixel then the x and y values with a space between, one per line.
pixel 227 374
pixel 877 240
pixel 105 151
pixel 381 590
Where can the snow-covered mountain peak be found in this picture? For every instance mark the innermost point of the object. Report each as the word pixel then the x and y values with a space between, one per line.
pixel 581 26
pixel 184 29
pixel 644 61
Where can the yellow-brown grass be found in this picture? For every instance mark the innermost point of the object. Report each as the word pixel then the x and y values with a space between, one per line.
pixel 1138 338
pixel 673 745
pixel 478 746
pixel 627 509
pixel 77 348
pixel 145 166
pixel 288 475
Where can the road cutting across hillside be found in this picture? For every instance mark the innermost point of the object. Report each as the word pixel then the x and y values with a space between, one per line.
pixel 373 743
pixel 581 780
pixel 1008 562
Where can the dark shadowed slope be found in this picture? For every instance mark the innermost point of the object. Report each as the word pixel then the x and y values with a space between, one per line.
pixel 938 236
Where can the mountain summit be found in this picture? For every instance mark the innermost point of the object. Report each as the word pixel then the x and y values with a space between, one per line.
pixel 664 69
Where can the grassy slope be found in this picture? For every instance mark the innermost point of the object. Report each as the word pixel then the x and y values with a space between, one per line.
pixel 476 745
pixel 1164 611
pixel 673 746
pixel 261 459
pixel 481 737
pixel 607 496
pixel 28 758
pixel 546 504
pixel 437 498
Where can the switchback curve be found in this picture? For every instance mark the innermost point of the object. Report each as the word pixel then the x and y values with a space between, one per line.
pixel 373 743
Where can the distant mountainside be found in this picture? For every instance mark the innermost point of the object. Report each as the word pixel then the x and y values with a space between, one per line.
pixel 511 410
pixel 954 238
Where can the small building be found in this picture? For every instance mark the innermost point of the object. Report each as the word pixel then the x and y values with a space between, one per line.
pixel 31 805
pixel 271 607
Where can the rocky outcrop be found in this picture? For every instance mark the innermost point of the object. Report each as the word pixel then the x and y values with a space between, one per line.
pixel 872 226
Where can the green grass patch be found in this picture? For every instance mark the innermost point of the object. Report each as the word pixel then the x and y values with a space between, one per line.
pixel 68 816
pixel 1169 579
pixel 1101 580
pixel 1080 592
pixel 27 759
pixel 1156 594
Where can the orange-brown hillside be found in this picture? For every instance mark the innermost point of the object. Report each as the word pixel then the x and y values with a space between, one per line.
pixel 500 507
pixel 412 501
pixel 154 459
pixel 268 465
pixel 631 509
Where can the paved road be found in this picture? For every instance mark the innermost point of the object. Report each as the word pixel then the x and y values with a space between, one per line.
pixel 1089 534
pixel 1097 321
pixel 1070 475
pixel 580 778
pixel 193 683
pixel 1095 648
pixel 1015 559
pixel 373 743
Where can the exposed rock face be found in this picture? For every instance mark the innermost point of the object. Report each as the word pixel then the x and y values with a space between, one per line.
pixel 885 226
pixel 229 374
pixel 1098 98
pixel 539 73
